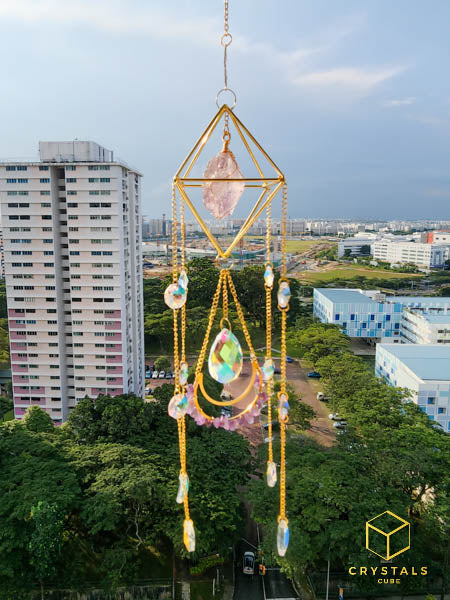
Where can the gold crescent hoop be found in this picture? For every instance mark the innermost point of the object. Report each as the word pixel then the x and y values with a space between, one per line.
pixel 198 383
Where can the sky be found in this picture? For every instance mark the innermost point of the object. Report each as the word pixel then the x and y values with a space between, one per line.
pixel 351 98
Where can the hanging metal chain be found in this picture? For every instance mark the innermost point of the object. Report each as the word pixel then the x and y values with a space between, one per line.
pixel 225 40
pixel 283 392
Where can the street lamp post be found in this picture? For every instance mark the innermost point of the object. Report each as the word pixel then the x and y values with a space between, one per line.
pixel 328 571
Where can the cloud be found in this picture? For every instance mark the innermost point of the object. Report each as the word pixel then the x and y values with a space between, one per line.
pixel 401 102
pixel 356 80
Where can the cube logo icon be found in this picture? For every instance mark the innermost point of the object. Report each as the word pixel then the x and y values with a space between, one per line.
pixel 388 535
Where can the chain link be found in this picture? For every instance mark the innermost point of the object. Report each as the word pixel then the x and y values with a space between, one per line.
pixel 283 424
pixel 212 314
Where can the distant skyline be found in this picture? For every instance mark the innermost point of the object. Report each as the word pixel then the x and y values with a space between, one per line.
pixel 351 98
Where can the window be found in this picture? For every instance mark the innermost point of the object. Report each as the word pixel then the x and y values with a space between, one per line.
pixel 441 410
pixel 71 168
pixel 11 181
pixel 72 204
pixel 43 168
pixel 74 253
pixel 72 193
pixel 372 317
pixel 44 180
pixel 105 180
pixel 336 317
pixel 71 180
pixel 388 317
pixel 44 193
pixel 46 217
pixel 10 167
pixel 431 401
pixel 352 317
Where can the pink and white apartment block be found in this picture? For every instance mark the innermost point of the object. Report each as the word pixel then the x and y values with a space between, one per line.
pixel 73 267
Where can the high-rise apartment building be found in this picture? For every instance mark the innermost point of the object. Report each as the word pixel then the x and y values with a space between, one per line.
pixel 72 243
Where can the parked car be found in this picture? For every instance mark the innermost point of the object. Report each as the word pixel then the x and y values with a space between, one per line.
pixel 148 374
pixel 169 375
pixel 334 417
pixel 147 391
pixel 249 563
pixel 155 374
pixel 340 424
pixel 162 375
pixel 226 396
pixel 275 424
pixel 277 372
pixel 289 359
pixel 321 396
pixel 314 374
pixel 227 411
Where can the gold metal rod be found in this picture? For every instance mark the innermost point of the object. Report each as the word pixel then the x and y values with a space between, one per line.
pixel 249 150
pixel 257 144
pixel 200 221
pixel 243 231
pixel 210 128
pixel 199 185
pixel 203 141
pixel 254 209
pixel 262 179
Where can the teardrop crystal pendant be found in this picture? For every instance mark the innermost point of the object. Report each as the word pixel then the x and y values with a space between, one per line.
pixel 271 473
pixel 268 369
pixel 183 487
pixel 178 406
pixel 282 537
pixel 189 535
pixel 284 294
pixel 175 296
pixel 283 407
pixel 183 280
pixel 221 197
pixel 184 372
pixel 269 276
pixel 225 357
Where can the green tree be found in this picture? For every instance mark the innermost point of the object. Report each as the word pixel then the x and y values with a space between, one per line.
pixel 300 414
pixel 37 420
pixel 4 341
pixel 46 540
pixel 6 405
pixel 317 340
pixel 162 363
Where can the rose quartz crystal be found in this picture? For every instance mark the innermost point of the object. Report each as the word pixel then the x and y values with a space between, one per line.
pixel 221 197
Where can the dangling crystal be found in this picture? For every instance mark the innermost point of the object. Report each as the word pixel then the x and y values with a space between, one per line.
pixel 283 407
pixel 269 276
pixel 284 294
pixel 225 357
pixel 282 537
pixel 268 369
pixel 183 280
pixel 221 197
pixel 178 406
pixel 183 487
pixel 184 371
pixel 271 473
pixel 189 535
pixel 175 296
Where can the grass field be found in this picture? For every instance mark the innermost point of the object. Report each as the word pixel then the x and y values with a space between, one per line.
pixel 350 272
pixel 296 246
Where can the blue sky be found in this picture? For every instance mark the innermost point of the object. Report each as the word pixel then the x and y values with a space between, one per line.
pixel 350 97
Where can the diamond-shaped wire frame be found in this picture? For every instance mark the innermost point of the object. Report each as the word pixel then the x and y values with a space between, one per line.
pixel 270 185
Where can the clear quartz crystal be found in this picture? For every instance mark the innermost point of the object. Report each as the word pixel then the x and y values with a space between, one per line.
pixel 175 296
pixel 283 407
pixel 269 276
pixel 221 197
pixel 184 372
pixel 178 406
pixel 183 487
pixel 271 473
pixel 284 294
pixel 189 535
pixel 225 357
pixel 268 369
pixel 183 280
pixel 282 537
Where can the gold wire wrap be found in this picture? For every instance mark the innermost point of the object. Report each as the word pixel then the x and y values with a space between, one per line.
pixel 181 422
pixel 269 329
pixel 283 422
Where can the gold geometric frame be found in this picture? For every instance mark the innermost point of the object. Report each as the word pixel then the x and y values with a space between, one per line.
pixel 270 185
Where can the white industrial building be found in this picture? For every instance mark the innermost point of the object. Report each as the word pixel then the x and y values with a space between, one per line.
pixel 72 238
pixel 424 370
pixel 420 328
pixel 427 256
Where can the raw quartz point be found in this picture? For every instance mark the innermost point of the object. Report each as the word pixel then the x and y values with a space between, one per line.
pixel 221 197
pixel 269 276
pixel 282 537
pixel 183 279
pixel 184 372
pixel 175 296
pixel 183 487
pixel 283 407
pixel 268 369
pixel 225 357
pixel 271 473
pixel 284 294
pixel 189 535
